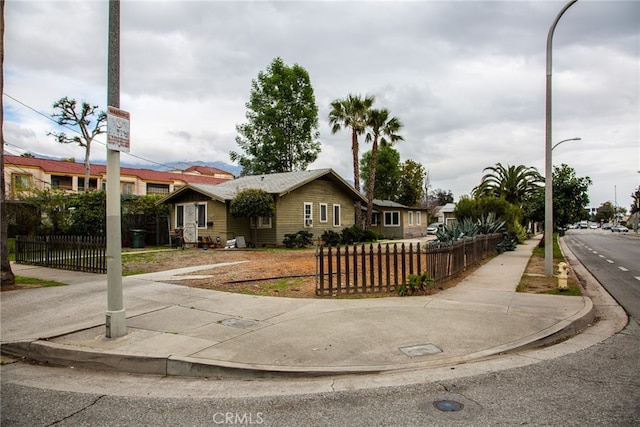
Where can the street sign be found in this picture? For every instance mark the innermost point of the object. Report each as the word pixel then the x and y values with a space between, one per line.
pixel 117 129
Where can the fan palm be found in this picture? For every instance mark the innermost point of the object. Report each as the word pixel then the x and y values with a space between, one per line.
pixel 512 183
pixel 385 131
pixel 351 113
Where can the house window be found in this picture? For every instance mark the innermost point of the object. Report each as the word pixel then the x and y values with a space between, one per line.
pixel 127 188
pixel 62 182
pixel 157 188
pixel 375 218
pixel 323 212
pixel 261 221
pixel 410 219
pixel 308 214
pixel 179 216
pixel 21 183
pixel 337 216
pixel 418 218
pixel 202 215
pixel 93 183
pixel 392 219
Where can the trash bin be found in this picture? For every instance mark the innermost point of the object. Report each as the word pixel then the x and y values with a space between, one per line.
pixel 137 238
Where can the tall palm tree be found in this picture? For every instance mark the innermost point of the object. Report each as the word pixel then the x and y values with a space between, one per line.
pixel 513 183
pixel 351 113
pixel 381 127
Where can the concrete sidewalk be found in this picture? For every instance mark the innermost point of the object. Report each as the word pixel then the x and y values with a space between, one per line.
pixel 176 330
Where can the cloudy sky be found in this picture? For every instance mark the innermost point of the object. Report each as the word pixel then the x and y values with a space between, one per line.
pixel 467 79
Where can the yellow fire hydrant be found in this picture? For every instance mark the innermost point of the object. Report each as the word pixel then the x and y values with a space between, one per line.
pixel 563 274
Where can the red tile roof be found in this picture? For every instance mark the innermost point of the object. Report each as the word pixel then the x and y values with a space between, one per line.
pixel 60 167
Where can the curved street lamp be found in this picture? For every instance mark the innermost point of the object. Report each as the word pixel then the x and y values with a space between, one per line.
pixel 577 138
pixel 548 182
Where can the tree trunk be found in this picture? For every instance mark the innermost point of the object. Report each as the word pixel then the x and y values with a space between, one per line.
pixel 87 166
pixel 356 174
pixel 372 179
pixel 7 276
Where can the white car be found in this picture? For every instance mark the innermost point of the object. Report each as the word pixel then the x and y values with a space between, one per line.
pixel 435 227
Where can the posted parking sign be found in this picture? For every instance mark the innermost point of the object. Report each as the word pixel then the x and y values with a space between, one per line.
pixel 117 129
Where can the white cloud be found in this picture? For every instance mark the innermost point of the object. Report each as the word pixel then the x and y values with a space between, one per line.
pixel 467 78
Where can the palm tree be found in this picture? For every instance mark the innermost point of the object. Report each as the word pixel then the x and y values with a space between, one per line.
pixel 512 183
pixel 351 113
pixel 381 127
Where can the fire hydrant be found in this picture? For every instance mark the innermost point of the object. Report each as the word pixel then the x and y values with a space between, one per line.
pixel 563 274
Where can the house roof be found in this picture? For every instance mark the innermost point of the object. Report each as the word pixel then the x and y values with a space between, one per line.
pixel 277 183
pixel 61 167
pixel 388 204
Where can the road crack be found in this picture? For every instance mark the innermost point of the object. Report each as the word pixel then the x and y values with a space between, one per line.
pixel 96 400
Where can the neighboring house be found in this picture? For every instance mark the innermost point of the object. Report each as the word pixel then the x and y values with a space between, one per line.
pixel 444 214
pixel 314 200
pixel 23 175
pixel 396 221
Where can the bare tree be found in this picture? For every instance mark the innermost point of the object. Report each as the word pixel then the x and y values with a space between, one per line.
pixel 68 115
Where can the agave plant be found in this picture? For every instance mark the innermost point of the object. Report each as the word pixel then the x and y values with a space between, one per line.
pixel 468 227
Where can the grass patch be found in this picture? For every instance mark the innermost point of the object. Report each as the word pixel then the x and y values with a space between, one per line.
pixel 284 284
pixel 534 280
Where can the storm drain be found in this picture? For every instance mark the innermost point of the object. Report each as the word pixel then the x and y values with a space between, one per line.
pixel 420 350
pixel 239 323
pixel 448 405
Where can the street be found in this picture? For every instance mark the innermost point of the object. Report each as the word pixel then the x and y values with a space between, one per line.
pixel 614 260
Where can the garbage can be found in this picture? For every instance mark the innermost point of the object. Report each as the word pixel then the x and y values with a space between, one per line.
pixel 137 238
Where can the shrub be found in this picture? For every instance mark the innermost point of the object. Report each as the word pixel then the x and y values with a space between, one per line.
pixel 330 238
pixel 416 284
pixel 301 239
pixel 356 234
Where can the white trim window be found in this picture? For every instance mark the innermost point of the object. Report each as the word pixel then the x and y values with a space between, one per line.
pixel 410 218
pixel 418 218
pixel 392 219
pixel 308 215
pixel 179 216
pixel 337 216
pixel 324 212
pixel 201 214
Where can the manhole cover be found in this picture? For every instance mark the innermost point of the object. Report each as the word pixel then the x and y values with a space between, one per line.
pixel 420 350
pixel 448 405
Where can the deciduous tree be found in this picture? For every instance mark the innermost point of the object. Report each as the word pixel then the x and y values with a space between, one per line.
pixel 86 119
pixel 281 133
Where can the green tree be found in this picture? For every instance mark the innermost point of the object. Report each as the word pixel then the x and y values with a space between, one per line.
pixel 481 207
pixel 570 198
pixel 570 195
pixel 252 203
pixel 281 133
pixel 513 183
pixel 411 189
pixel 384 130
pixel 441 196
pixel 81 121
pixel 351 113
pixel 635 206
pixel 605 212
pixel 389 172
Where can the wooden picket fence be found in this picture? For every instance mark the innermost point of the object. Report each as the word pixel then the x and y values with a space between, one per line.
pixel 77 253
pixel 349 270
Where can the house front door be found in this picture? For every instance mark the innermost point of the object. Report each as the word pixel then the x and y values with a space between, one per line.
pixel 190 224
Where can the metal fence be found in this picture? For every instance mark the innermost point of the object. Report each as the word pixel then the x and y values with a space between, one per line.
pixel 78 253
pixel 382 268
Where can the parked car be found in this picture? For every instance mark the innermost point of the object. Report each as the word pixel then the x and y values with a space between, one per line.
pixel 435 227
pixel 606 226
pixel 619 229
pixel 593 226
pixel 584 224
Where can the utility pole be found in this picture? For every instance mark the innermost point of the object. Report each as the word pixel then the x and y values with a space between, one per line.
pixel 116 320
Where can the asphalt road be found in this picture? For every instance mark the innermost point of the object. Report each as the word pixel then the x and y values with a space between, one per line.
pixel 614 260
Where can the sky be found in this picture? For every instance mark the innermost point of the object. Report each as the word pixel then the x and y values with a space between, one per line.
pixel 466 79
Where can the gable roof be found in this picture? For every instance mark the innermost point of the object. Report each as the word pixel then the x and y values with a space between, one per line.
pixel 278 184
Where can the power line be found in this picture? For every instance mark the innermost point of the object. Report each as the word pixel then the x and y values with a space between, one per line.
pixel 76 131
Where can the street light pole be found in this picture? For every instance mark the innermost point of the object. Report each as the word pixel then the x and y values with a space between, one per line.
pixel 565 140
pixel 548 181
